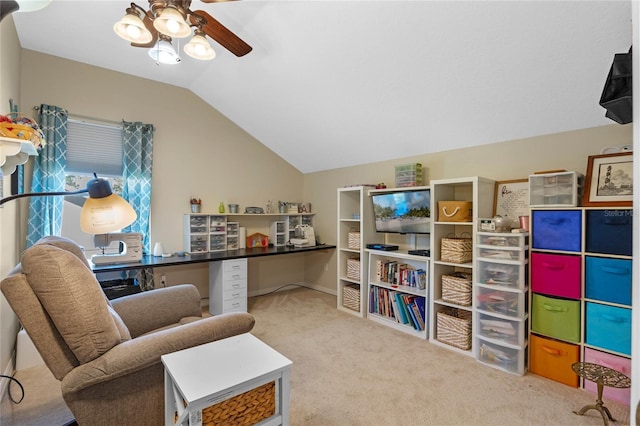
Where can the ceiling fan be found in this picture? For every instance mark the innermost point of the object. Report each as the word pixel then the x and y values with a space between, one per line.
pixel 167 19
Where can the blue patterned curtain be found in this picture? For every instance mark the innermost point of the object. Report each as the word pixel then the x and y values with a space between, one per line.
pixel 45 213
pixel 136 176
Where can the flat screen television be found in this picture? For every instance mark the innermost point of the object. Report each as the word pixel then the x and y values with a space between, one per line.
pixel 403 212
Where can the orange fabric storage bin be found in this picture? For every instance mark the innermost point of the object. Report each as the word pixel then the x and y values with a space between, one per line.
pixel 552 359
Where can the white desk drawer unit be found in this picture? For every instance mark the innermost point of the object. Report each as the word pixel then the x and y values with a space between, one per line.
pixel 237 380
pixel 228 286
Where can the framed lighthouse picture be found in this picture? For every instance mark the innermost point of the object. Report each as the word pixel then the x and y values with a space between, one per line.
pixel 609 180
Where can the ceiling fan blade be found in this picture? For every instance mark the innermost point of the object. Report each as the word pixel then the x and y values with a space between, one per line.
pixel 222 34
pixel 148 22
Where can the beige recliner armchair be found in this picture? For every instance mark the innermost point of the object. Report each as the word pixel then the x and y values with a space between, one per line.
pixel 107 354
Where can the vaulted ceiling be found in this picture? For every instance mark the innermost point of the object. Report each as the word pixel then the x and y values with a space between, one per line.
pixel 331 84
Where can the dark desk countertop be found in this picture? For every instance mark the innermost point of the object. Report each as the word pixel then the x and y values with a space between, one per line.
pixel 157 261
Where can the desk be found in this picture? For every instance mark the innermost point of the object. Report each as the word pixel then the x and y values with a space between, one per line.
pixel 157 261
pixel 215 259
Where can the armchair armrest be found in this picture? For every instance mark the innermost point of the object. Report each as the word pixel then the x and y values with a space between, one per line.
pixel 153 309
pixel 145 351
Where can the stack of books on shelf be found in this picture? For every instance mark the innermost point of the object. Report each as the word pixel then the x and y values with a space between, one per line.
pixel 400 307
pixel 395 273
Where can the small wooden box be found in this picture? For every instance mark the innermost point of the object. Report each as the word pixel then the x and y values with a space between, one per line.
pixel 257 240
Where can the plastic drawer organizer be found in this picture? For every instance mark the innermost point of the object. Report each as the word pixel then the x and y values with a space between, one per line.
pixel 562 189
pixel 501 289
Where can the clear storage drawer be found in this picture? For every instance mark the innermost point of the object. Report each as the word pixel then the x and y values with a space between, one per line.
pixel 501 357
pixel 503 240
pixel 501 301
pixel 501 274
pixel 513 332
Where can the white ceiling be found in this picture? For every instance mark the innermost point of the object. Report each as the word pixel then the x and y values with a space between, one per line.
pixel 331 84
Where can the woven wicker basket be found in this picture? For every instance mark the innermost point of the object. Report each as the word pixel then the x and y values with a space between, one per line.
pixel 354 241
pixel 453 327
pixel 456 288
pixel 247 408
pixel 456 250
pixel 351 297
pixel 353 269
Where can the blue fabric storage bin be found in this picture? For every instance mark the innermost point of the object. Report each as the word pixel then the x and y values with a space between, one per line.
pixel 608 279
pixel 557 229
pixel 609 231
pixel 608 327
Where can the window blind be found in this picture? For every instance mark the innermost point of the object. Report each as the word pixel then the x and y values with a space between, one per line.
pixel 94 148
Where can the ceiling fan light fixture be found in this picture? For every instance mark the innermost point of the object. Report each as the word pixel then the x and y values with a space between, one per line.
pixel 172 23
pixel 131 28
pixel 32 5
pixel 164 53
pixel 199 48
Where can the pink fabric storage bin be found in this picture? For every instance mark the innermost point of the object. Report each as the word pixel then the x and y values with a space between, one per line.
pixel 556 274
pixel 618 363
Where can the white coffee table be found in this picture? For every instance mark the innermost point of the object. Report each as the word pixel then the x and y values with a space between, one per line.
pixel 204 376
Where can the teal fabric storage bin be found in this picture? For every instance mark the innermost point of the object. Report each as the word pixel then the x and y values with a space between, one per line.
pixel 555 317
pixel 557 229
pixel 608 327
pixel 608 279
pixel 609 231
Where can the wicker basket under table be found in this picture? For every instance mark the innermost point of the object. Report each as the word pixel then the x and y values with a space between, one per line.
pixel 453 327
pixel 248 408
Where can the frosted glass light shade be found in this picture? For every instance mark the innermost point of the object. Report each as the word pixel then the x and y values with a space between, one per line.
pixel 107 214
pixel 131 28
pixel 32 5
pixel 164 53
pixel 172 23
pixel 199 48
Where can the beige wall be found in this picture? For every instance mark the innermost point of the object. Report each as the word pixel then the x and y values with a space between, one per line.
pixel 498 161
pixel 9 223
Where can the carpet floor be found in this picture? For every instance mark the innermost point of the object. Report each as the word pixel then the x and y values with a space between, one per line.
pixel 351 371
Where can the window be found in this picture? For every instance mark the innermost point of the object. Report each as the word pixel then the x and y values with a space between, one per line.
pixel 91 148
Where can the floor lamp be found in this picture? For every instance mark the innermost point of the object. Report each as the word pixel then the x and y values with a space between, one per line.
pixel 102 212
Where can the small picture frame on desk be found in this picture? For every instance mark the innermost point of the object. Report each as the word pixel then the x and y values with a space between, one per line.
pixel 609 180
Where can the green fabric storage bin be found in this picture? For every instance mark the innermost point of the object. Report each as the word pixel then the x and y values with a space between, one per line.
pixel 555 317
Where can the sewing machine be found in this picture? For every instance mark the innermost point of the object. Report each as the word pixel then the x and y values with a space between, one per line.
pixel 129 246
pixel 305 236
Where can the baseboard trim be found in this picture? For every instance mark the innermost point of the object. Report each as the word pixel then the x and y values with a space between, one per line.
pixel 290 286
pixel 9 371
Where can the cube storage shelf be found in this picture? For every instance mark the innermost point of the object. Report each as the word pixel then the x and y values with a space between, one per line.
pixel 396 282
pixel 355 230
pixel 581 275
pixel 479 192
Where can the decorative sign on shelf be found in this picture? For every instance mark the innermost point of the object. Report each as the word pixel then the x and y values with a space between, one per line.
pixel 511 198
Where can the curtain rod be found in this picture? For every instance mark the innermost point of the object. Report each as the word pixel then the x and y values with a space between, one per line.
pixel 86 117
